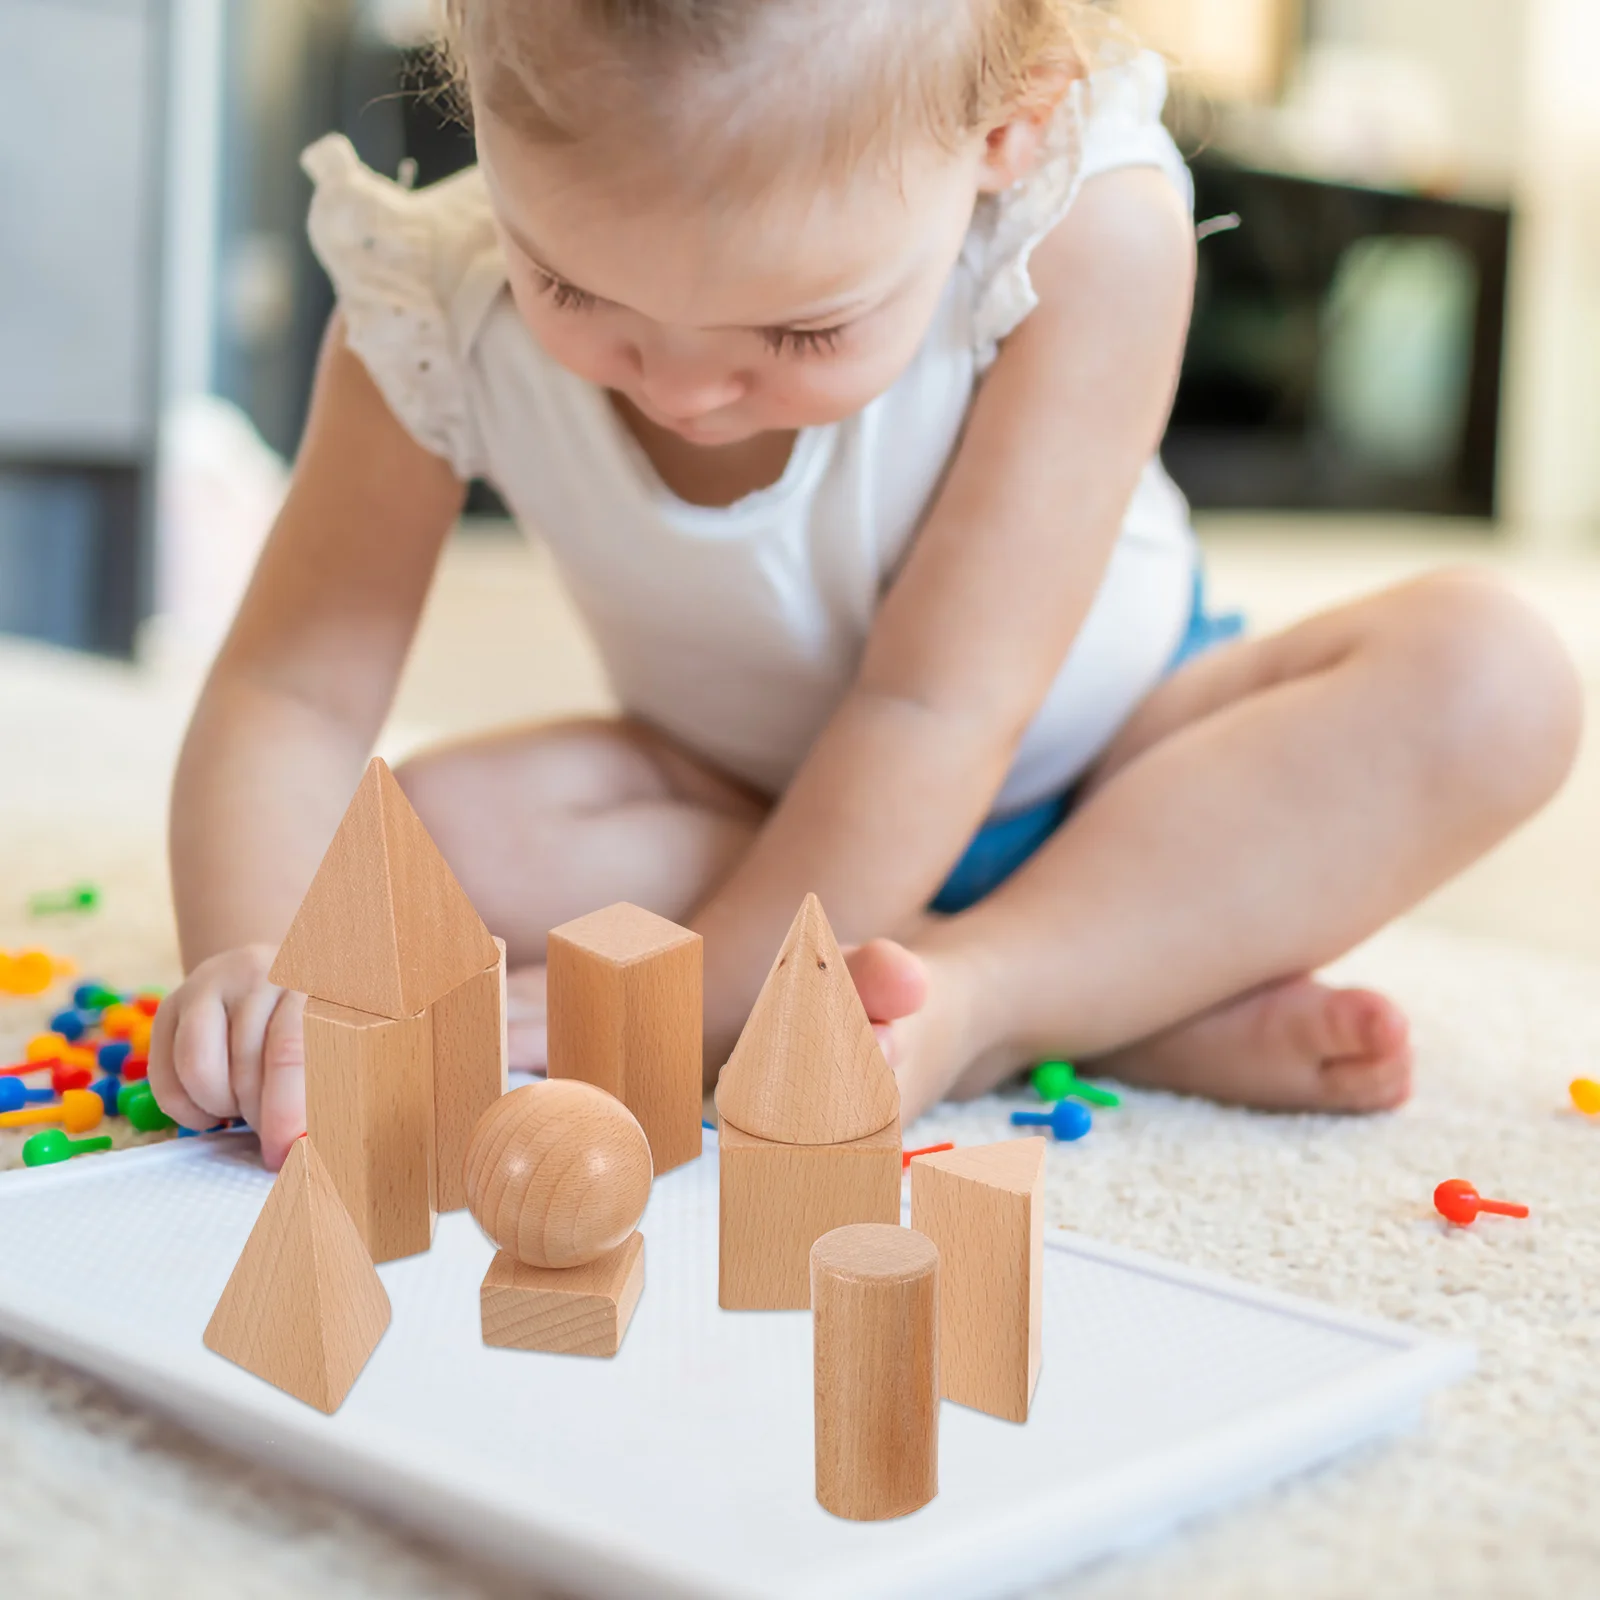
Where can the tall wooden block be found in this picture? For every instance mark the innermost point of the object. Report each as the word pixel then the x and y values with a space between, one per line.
pixel 807 1068
pixel 983 1206
pixel 578 1311
pixel 384 927
pixel 469 1071
pixel 777 1200
pixel 875 1349
pixel 625 1015
pixel 369 1107
pixel 303 1308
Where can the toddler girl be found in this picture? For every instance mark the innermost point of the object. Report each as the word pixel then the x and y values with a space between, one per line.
pixel 828 344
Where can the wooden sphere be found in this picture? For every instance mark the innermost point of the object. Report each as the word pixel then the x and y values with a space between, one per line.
pixel 558 1173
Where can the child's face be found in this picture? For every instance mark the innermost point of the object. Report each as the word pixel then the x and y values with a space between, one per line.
pixel 792 313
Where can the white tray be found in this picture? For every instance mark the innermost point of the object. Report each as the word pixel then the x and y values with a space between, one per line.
pixel 684 1465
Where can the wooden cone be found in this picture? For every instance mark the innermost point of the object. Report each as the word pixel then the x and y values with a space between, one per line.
pixel 304 1308
pixel 807 1068
pixel 384 928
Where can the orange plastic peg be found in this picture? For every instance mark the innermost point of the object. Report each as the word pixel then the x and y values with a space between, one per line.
pixel 79 1111
pixel 1585 1094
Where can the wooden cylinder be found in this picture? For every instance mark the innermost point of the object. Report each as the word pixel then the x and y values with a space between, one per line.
pixel 875 1342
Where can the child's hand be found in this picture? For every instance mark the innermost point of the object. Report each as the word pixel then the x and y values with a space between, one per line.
pixel 229 1043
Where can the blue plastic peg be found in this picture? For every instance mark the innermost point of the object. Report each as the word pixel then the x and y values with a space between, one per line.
pixel 1066 1119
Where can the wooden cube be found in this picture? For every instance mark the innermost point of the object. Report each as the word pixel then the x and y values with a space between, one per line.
pixel 625 1015
pixel 983 1206
pixel 469 1071
pixel 579 1311
pixel 369 1111
pixel 777 1200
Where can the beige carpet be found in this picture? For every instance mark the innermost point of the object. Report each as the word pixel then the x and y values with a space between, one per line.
pixel 1493 1496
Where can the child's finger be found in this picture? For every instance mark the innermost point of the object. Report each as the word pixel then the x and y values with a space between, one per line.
pixel 200 1059
pixel 281 1114
pixel 169 1092
pixel 249 1013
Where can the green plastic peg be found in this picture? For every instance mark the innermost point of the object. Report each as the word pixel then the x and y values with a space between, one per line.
pixel 1059 1080
pixel 81 897
pixel 45 1149
pixel 138 1105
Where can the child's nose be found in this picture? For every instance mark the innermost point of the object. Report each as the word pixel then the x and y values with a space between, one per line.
pixel 679 383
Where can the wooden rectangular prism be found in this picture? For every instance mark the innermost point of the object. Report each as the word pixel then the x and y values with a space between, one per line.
pixel 369 1111
pixel 469 1071
pixel 983 1206
pixel 625 1015
pixel 777 1200
pixel 575 1311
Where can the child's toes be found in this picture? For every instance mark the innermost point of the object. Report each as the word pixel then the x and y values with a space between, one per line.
pixel 891 981
pixel 1367 1060
pixel 1365 1084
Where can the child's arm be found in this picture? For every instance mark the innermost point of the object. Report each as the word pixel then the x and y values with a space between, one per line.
pixel 284 726
pixel 998 583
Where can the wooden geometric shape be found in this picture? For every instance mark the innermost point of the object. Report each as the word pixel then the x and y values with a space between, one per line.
pixel 983 1206
pixel 558 1173
pixel 777 1200
pixel 574 1311
pixel 807 1068
pixel 384 928
pixel 469 1071
pixel 875 1352
pixel 369 1106
pixel 303 1308
pixel 624 1008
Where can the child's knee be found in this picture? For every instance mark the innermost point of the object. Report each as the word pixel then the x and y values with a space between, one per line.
pixel 1500 701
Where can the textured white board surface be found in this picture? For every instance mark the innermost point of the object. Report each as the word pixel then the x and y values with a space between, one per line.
pixel 684 1465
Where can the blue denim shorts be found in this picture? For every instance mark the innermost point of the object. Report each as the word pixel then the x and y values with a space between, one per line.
pixel 1000 847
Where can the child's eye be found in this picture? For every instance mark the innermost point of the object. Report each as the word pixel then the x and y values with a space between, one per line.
pixel 802 341
pixel 565 296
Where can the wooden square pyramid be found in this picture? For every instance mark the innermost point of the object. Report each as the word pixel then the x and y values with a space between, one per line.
pixel 384 928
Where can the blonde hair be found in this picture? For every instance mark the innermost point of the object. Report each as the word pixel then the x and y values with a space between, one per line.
pixel 734 93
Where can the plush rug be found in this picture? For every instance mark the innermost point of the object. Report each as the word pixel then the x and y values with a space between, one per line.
pixel 1493 1495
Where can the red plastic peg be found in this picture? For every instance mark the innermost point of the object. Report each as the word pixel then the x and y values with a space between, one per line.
pixel 926 1150
pixel 1457 1201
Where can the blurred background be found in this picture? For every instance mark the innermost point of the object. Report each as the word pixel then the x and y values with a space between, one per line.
pixel 1395 360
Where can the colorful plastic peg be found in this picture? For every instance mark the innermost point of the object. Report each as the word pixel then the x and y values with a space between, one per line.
pixel 112 1056
pixel 138 1104
pixel 47 1047
pixel 1457 1201
pixel 45 1149
pixel 1059 1080
pixel 110 1091
pixel 28 972
pixel 1066 1119
pixel 71 1024
pixel 14 1094
pixel 80 898
pixel 78 1112
pixel 926 1150
pixel 1585 1094
pixel 117 1021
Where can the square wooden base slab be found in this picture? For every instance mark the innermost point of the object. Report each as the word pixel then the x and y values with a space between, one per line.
pixel 577 1311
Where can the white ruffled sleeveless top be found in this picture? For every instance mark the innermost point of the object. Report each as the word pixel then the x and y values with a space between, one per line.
pixel 738 629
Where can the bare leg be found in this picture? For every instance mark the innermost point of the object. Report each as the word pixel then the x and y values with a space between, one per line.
pixel 1268 807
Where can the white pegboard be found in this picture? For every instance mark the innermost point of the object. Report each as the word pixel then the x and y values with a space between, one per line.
pixel 684 1465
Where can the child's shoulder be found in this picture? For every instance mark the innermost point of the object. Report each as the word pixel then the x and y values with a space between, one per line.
pixel 416 271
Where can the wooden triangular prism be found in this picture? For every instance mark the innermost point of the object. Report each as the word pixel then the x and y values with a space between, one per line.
pixel 807 1068
pixel 304 1308
pixel 1013 1164
pixel 384 928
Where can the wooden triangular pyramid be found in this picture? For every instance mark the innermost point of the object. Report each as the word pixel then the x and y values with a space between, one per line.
pixel 304 1308
pixel 807 1069
pixel 384 928
pixel 1013 1164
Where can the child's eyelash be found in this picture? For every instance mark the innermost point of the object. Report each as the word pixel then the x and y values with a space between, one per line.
pixel 781 341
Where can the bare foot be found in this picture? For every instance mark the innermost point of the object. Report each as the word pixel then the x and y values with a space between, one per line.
pixel 1292 1046
pixel 891 981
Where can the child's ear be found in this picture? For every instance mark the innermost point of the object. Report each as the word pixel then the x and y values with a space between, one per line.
pixel 1014 147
